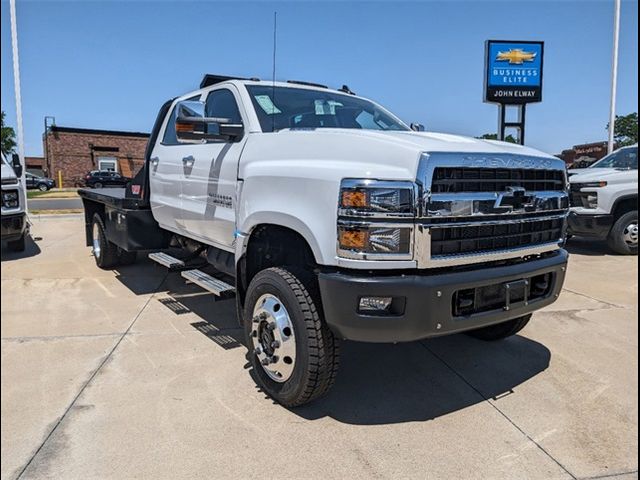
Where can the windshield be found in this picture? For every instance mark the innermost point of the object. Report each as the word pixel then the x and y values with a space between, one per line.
pixel 625 158
pixel 283 107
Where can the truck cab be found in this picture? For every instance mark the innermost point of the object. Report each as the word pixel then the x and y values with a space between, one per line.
pixel 15 226
pixel 331 219
pixel 604 200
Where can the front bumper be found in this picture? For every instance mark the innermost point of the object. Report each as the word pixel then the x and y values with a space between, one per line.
pixel 13 226
pixel 426 301
pixel 589 225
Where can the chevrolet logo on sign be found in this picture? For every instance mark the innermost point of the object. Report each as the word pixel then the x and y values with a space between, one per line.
pixel 516 56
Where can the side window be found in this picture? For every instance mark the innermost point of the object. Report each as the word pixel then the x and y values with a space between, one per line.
pixel 222 104
pixel 169 137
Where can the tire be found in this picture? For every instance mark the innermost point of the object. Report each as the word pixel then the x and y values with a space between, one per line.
pixel 18 245
pixel 623 237
pixel 501 330
pixel 43 187
pixel 97 185
pixel 314 356
pixel 104 252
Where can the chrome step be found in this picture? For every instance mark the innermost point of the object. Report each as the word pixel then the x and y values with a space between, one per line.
pixel 214 285
pixel 166 260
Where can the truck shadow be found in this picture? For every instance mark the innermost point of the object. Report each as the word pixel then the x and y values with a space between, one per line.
pixel 384 384
pixel 31 250
pixel 378 383
pixel 588 246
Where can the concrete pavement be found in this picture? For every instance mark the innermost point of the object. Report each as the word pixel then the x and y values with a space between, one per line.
pixel 133 374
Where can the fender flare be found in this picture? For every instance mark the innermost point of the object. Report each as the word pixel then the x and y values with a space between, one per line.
pixel 282 220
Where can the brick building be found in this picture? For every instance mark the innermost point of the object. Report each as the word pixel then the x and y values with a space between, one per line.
pixel 76 151
pixel 35 165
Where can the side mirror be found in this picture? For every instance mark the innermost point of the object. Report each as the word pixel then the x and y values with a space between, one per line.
pixel 15 163
pixel 417 127
pixel 193 127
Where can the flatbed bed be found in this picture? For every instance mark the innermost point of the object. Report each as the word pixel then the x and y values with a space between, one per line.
pixel 127 218
pixel 114 197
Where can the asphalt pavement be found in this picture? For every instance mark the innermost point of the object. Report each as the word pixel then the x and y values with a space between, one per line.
pixel 54 203
pixel 132 373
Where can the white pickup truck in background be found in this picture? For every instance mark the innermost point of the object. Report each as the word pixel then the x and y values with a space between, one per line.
pixel 604 200
pixel 15 226
pixel 329 218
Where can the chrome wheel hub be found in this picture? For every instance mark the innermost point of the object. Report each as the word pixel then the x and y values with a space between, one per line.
pixel 274 342
pixel 631 233
pixel 96 240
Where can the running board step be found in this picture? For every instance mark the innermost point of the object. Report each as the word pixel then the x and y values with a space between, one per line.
pixel 166 260
pixel 214 285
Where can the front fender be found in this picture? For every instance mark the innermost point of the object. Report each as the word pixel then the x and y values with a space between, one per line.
pixel 307 206
pixel 282 220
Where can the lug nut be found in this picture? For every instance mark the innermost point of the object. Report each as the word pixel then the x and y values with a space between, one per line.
pixel 266 361
pixel 263 316
pixel 254 333
pixel 275 344
pixel 258 350
pixel 274 359
pixel 256 319
pixel 271 326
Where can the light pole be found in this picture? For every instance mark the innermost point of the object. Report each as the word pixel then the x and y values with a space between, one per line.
pixel 614 75
pixel 16 87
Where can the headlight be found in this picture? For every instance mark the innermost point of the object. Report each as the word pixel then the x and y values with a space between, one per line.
pixel 371 239
pixel 10 199
pixel 371 198
pixel 592 200
pixel 592 185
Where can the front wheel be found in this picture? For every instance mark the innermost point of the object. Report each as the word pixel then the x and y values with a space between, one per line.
pixel 43 187
pixel 501 330
pixel 293 353
pixel 97 185
pixel 623 237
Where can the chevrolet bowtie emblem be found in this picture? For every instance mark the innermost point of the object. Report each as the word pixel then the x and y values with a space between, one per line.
pixel 516 56
pixel 514 199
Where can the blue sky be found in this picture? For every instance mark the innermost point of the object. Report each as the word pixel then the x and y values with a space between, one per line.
pixel 99 64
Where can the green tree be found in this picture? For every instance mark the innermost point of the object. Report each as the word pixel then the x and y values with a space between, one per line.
pixel 625 131
pixel 8 137
pixel 494 136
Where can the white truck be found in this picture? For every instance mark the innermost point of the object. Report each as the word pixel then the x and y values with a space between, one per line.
pixel 329 218
pixel 604 200
pixel 15 226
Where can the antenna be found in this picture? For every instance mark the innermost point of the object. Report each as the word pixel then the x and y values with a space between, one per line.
pixel 273 73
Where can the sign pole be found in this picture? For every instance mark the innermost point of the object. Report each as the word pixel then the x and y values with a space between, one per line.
pixel 16 86
pixel 614 76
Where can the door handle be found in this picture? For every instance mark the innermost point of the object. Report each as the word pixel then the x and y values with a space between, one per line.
pixel 154 161
pixel 188 159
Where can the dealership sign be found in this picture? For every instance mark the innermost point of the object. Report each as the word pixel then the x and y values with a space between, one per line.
pixel 513 72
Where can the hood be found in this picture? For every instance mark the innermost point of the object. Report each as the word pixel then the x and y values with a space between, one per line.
pixel 576 171
pixel 435 142
pixel 354 153
pixel 610 175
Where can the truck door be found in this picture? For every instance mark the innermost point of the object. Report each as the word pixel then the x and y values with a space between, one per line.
pixel 166 172
pixel 210 178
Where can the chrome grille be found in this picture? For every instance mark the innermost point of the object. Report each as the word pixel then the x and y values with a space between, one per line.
pixel 466 239
pixel 465 179
pixel 476 208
